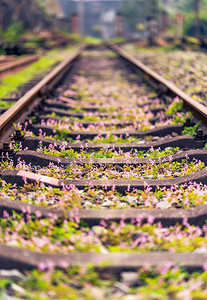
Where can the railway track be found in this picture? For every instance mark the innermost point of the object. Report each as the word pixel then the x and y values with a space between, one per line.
pixel 15 65
pixel 103 168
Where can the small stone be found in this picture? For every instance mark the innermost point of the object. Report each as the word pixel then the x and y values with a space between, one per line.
pixel 121 287
pixel 174 134
pixel 18 289
pixel 163 205
pixel 107 203
pixel 130 297
pixel 129 278
pixel 51 202
pixel 76 285
pixel 122 205
pixel 11 274
pixel 113 198
pixel 155 138
pixel 97 293
pixel 140 142
pixel 32 195
pixel 81 191
pixel 162 231
pixel 201 250
pixel 99 230
pixel 132 200
pixel 87 204
pixel 100 196
pixel 103 250
pixel 12 243
pixel 168 148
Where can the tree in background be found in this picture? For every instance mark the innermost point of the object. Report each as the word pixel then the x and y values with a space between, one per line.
pixel 138 12
pixel 195 15
pixel 194 11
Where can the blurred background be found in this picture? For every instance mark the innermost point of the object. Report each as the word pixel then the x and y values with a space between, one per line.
pixel 41 23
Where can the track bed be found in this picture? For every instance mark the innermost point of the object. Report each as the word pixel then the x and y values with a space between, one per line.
pixel 106 169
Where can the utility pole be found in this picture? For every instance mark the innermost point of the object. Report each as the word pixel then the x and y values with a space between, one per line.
pixel 81 16
pixel 153 21
pixel 197 19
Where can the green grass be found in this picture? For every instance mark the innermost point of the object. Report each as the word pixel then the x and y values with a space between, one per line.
pixel 156 49
pixel 11 83
pixel 86 39
pixel 118 40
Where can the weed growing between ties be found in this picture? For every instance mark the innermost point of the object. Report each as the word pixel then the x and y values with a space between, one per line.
pixel 89 171
pixel 53 235
pixel 108 153
pixel 163 170
pixel 184 196
pixel 85 282
pixel 68 127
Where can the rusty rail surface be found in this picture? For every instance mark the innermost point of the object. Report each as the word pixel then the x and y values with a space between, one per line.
pixel 162 84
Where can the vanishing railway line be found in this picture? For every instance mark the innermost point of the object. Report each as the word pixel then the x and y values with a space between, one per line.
pixel 127 159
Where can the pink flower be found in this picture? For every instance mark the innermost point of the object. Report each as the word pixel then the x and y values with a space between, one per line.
pixel 185 221
pixel 205 267
pixel 5 214
pixel 38 214
pixel 63 264
pixel 41 266
pixel 103 223
pixel 164 269
pixel 50 264
pixel 150 219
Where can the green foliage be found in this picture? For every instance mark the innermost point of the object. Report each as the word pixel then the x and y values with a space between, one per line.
pixel 42 5
pixel 86 282
pixel 191 131
pixel 175 106
pixel 138 11
pixel 108 153
pixel 2 52
pixel 34 42
pixel 187 7
pixel 13 32
pixel 118 40
pixel 68 236
pixel 4 104
pixel 85 171
pixel 76 38
pixel 11 83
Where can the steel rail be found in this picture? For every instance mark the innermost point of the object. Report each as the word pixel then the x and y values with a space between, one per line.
pixel 7 67
pixel 162 84
pixel 19 111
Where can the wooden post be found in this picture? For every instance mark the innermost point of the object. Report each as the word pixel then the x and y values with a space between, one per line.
pixel 81 16
pixel 197 19
pixel 74 23
pixel 119 24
